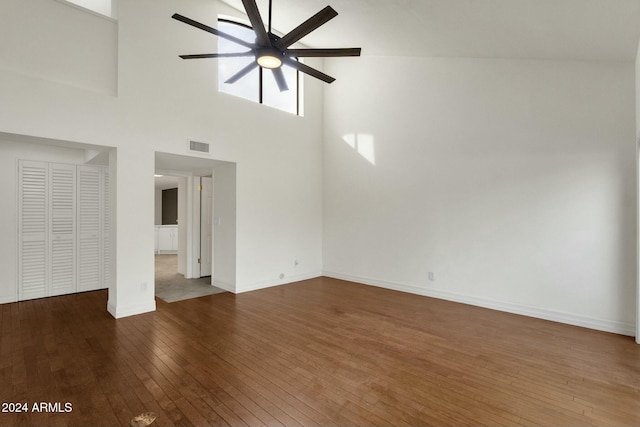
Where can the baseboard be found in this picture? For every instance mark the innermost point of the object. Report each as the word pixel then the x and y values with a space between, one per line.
pixel 272 283
pixel 130 310
pixel 7 300
pixel 622 328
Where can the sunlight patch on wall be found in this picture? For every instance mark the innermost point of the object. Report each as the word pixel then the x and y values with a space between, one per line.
pixel 363 144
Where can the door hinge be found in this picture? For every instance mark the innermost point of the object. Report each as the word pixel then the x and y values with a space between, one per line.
pixel 199 260
pixel 199 187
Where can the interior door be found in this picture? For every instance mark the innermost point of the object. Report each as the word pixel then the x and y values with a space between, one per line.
pixel 206 226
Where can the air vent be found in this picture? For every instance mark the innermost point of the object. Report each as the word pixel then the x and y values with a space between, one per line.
pixel 199 147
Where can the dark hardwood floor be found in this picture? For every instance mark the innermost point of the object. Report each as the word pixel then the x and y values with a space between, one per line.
pixel 320 352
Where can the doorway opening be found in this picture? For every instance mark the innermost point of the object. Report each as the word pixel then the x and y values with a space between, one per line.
pixel 185 214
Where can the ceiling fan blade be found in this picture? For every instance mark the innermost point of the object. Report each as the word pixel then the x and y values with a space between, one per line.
pixel 217 55
pixel 262 38
pixel 323 52
pixel 308 70
pixel 306 27
pixel 280 80
pixel 240 74
pixel 213 31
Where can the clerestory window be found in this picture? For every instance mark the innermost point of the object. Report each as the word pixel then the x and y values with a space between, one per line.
pixel 102 7
pixel 259 85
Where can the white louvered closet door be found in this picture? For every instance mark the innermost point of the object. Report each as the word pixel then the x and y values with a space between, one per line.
pixel 89 228
pixel 62 228
pixel 33 195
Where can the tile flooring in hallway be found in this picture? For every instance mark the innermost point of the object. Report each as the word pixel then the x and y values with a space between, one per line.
pixel 171 286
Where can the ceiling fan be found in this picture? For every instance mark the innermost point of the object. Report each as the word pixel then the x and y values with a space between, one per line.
pixel 271 51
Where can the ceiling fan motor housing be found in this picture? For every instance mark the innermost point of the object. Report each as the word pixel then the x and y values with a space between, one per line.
pixel 269 57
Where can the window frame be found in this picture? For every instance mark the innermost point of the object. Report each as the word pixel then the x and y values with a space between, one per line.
pixel 112 16
pixel 261 74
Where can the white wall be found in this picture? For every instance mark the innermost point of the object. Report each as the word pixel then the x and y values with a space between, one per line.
pixel 637 192
pixel 512 181
pixel 637 68
pixel 54 41
pixel 224 227
pixel 10 152
pixel 162 101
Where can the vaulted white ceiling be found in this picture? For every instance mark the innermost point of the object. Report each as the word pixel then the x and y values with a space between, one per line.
pixel 597 30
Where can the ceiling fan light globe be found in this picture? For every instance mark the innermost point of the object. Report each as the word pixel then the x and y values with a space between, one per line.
pixel 269 61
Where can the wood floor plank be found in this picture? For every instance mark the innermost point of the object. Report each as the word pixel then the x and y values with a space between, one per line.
pixel 236 382
pixel 381 408
pixel 320 352
pixel 310 392
pixel 256 349
pixel 362 375
pixel 184 387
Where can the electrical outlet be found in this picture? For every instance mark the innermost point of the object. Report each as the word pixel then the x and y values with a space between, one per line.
pixel 296 263
pixel 144 286
pixel 432 277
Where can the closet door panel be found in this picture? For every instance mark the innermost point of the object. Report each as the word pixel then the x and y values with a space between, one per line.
pixel 33 228
pixel 62 228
